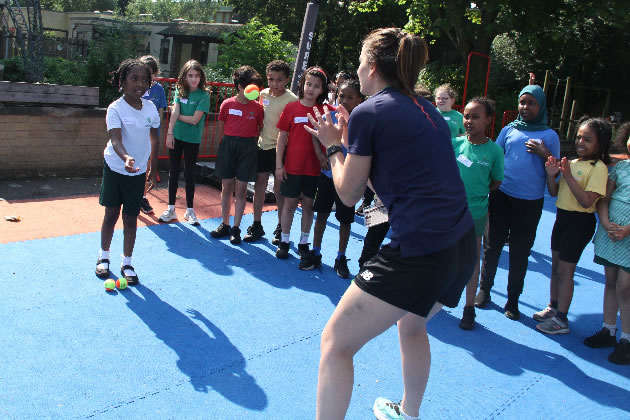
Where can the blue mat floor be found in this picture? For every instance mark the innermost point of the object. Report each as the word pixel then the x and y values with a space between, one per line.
pixel 217 331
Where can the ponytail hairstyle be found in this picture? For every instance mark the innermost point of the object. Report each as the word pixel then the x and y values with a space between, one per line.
pixel 182 87
pixel 398 56
pixel 321 74
pixel 623 137
pixel 603 130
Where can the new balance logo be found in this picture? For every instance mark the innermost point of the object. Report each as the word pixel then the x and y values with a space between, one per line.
pixel 367 275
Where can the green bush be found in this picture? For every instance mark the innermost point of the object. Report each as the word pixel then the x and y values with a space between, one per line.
pixel 60 71
pixel 435 74
pixel 13 69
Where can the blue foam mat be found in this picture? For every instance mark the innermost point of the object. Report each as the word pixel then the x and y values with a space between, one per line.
pixel 217 331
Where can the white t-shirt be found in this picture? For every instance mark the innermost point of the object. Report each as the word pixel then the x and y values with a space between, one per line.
pixel 135 125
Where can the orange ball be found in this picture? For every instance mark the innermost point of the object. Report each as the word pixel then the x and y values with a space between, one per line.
pixel 252 92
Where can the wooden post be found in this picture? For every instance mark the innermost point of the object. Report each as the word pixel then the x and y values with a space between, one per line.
pixel 547 81
pixel 565 106
pixel 572 119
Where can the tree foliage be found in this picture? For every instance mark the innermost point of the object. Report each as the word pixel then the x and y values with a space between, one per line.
pixel 256 45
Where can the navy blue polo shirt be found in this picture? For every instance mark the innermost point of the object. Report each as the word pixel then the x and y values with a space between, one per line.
pixel 413 171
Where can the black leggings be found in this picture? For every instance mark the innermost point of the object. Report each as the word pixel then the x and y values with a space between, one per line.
pixel 519 219
pixel 190 152
pixel 372 242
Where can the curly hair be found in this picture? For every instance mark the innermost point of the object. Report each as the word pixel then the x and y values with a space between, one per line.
pixel 603 131
pixel 120 74
pixel 487 103
pixel 247 75
pixel 280 66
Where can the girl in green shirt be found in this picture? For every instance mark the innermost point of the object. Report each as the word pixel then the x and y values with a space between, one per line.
pixel 445 97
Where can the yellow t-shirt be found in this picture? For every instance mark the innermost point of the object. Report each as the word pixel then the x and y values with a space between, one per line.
pixel 590 177
pixel 273 105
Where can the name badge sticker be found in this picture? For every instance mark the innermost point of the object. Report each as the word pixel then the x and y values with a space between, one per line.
pixel 265 102
pixel 447 118
pixel 464 161
pixel 236 112
pixel 129 121
pixel 183 100
pixel 300 120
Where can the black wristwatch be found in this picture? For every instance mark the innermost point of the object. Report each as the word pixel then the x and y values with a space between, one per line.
pixel 332 149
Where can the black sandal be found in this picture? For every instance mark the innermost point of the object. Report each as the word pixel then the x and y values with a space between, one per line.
pixel 102 273
pixel 131 280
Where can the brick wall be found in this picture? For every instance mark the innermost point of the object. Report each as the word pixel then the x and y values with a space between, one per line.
pixel 43 141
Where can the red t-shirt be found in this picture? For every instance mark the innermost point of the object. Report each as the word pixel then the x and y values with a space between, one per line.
pixel 241 120
pixel 299 157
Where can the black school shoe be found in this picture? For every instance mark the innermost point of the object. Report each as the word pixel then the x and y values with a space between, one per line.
pixel 254 233
pixel 283 250
pixel 482 299
pixel 102 273
pixel 303 250
pixel 600 339
pixel 131 280
pixel 221 232
pixel 341 267
pixel 276 235
pixel 235 235
pixel 310 261
pixel 468 319
pixel 621 355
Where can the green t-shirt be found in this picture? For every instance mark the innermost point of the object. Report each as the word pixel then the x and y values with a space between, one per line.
pixel 455 122
pixel 198 100
pixel 479 164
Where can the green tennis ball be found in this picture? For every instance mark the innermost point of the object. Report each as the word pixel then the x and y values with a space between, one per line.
pixel 251 92
pixel 121 283
pixel 110 285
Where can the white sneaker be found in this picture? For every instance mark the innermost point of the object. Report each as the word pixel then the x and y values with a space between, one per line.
pixel 168 216
pixel 191 217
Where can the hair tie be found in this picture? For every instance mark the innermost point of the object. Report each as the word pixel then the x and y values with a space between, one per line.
pixel 319 69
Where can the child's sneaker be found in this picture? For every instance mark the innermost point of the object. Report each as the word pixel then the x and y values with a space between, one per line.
pixel 303 250
pixel 254 233
pixel 468 318
pixel 221 231
pixel 621 355
pixel 384 409
pixel 553 326
pixel 191 218
pixel 601 338
pixel 341 267
pixel 168 216
pixel 283 250
pixel 145 207
pixel 276 235
pixel 545 314
pixel 310 261
pixel 235 235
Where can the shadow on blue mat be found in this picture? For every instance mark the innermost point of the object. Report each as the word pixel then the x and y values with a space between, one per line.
pixel 211 362
pixel 219 257
pixel 511 358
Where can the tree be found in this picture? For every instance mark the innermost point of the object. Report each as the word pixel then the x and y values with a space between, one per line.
pixel 256 45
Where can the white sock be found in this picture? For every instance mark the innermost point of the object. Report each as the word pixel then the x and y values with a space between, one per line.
pixel 611 328
pixel 103 255
pixel 284 237
pixel 625 336
pixel 189 209
pixel 304 237
pixel 171 207
pixel 127 261
pixel 407 417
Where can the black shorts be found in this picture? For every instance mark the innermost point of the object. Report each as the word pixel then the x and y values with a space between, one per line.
pixel 415 284
pixel 266 160
pixel 118 189
pixel 327 196
pixel 295 185
pixel 237 158
pixel 572 231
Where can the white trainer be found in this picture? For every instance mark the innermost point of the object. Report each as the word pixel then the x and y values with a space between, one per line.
pixel 167 216
pixel 191 218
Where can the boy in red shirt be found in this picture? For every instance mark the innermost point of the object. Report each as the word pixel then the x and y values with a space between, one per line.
pixel 303 160
pixel 240 121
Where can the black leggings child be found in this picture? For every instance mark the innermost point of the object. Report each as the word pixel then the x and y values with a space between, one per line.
pixel 190 152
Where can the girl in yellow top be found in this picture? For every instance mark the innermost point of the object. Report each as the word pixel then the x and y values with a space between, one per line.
pixel 582 183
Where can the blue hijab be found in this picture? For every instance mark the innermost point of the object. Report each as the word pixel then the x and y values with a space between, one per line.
pixel 540 122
